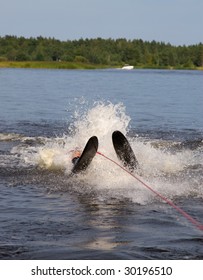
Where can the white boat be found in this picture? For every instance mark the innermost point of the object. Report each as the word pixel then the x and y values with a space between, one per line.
pixel 127 67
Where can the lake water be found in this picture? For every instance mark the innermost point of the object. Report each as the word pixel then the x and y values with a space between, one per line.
pixel 104 213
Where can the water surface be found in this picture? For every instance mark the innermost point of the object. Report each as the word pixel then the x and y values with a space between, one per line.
pixel 105 213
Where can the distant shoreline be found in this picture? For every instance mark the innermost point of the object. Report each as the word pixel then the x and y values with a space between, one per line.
pixel 98 53
pixel 81 66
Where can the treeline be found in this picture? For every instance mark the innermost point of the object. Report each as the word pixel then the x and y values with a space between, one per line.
pixel 112 52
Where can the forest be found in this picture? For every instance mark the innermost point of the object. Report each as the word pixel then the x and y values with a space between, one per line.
pixel 98 51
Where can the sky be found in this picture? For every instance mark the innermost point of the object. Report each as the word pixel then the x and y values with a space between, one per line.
pixel 178 22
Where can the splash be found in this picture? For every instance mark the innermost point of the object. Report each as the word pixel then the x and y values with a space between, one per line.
pixel 174 174
pixel 101 120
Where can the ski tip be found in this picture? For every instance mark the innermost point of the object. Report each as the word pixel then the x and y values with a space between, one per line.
pixel 87 155
pixel 94 141
pixel 117 133
pixel 124 151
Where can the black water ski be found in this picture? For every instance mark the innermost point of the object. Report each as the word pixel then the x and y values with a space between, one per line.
pixel 87 155
pixel 124 151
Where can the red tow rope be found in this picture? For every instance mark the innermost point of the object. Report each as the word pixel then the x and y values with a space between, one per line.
pixel 169 202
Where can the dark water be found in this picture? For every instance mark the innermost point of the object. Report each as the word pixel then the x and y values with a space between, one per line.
pixel 105 213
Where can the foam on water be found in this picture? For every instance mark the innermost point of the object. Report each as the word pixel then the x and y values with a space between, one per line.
pixel 164 170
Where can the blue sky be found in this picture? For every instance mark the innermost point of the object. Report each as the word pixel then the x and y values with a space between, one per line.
pixel 175 21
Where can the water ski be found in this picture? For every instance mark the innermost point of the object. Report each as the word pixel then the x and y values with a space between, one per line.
pixel 87 155
pixel 124 151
